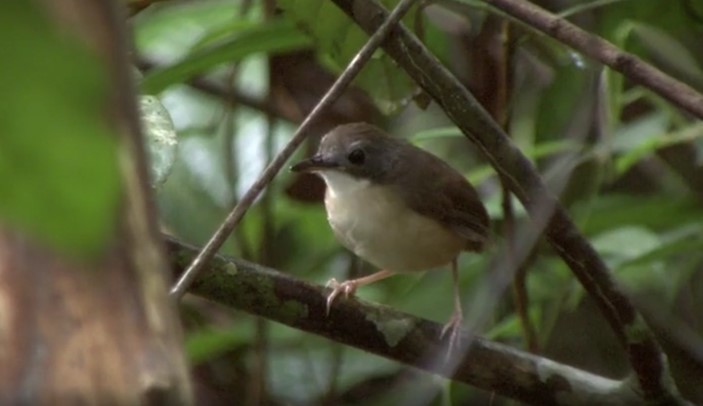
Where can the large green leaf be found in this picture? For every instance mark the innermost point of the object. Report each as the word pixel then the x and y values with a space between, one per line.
pixel 59 175
pixel 686 240
pixel 655 212
pixel 338 39
pixel 166 33
pixel 270 37
pixel 625 243
pixel 643 260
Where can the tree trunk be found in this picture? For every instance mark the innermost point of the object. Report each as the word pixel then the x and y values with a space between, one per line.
pixel 98 328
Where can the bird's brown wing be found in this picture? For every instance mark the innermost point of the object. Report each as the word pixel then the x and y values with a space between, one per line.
pixel 444 195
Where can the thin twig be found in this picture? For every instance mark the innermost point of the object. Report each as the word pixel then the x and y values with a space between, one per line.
pixel 634 68
pixel 520 263
pixel 522 301
pixel 272 169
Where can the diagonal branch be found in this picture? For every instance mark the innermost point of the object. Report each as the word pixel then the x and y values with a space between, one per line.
pixel 398 336
pixel 344 80
pixel 646 357
pixel 634 68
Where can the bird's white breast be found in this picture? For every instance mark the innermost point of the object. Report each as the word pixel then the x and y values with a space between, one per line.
pixel 376 225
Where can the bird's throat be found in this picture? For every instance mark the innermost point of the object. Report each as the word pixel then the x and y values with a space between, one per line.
pixel 341 184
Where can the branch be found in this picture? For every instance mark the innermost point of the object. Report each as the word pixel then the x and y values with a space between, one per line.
pixel 344 80
pixel 397 336
pixel 231 97
pixel 634 68
pixel 645 355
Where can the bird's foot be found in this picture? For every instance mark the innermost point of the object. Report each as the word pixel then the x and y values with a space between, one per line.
pixel 347 288
pixel 453 327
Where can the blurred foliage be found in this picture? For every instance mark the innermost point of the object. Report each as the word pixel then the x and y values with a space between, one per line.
pixel 45 164
pixel 338 39
pixel 627 164
pixel 227 46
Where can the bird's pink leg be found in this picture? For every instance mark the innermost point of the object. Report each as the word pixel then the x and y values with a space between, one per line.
pixel 454 323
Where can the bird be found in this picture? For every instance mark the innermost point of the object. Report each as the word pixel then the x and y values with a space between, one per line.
pixel 396 206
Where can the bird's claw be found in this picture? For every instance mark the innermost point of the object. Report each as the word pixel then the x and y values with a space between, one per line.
pixel 453 326
pixel 346 287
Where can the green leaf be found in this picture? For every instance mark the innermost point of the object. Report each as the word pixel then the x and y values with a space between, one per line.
pixel 59 174
pixel 625 243
pixel 210 343
pixel 510 327
pixel 637 256
pixel 482 172
pixel 661 44
pixel 654 142
pixel 166 33
pixel 655 212
pixel 686 240
pixel 534 152
pixel 338 39
pixel 557 108
pixel 270 37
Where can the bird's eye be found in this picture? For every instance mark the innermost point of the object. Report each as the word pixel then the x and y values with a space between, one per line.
pixel 357 157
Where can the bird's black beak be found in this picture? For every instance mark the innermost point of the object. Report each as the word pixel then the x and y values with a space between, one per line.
pixel 312 164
